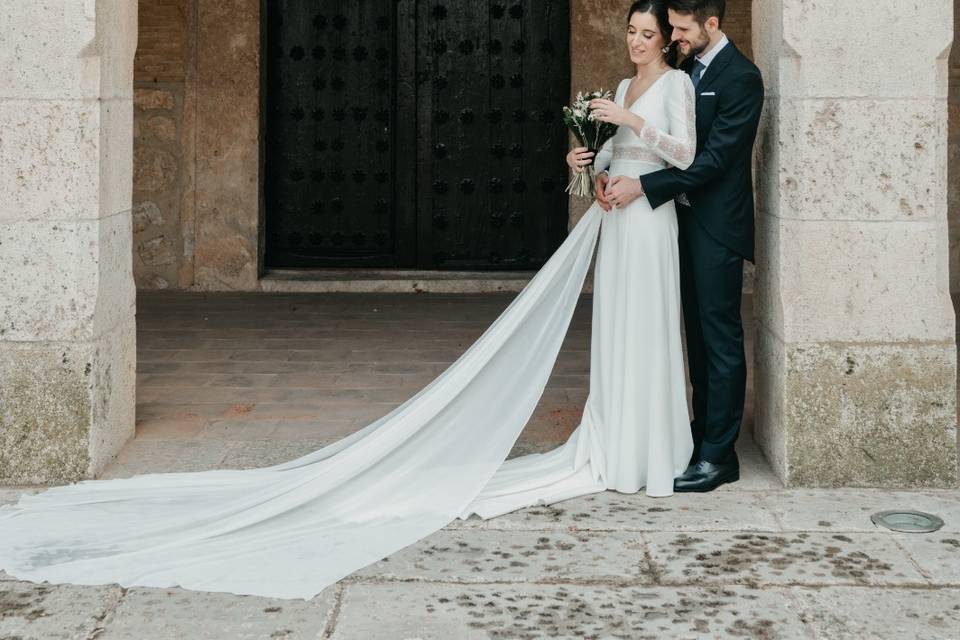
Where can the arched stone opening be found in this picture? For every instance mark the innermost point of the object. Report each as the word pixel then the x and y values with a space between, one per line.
pixel 852 389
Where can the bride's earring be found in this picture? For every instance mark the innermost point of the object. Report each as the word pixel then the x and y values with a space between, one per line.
pixel 665 50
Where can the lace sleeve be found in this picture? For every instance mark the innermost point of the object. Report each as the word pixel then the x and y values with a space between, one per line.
pixel 678 146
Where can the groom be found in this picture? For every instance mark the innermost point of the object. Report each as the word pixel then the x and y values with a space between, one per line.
pixel 714 199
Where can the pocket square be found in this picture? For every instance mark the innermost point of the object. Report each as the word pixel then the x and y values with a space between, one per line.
pixel 708 93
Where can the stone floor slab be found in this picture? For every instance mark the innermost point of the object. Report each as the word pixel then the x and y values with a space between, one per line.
pixel 177 614
pixel 250 454
pixel 516 556
pixel 30 611
pixel 162 456
pixel 852 613
pixel 639 512
pixel 847 510
pixel 937 555
pixel 514 612
pixel 229 429
pixel 781 559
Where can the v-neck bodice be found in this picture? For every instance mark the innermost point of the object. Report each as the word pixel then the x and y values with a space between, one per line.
pixel 668 136
pixel 625 87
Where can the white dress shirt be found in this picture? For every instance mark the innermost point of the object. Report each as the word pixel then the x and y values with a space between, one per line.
pixel 706 58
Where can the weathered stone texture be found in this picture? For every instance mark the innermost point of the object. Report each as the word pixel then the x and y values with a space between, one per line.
pixel 856 358
pixel 198 144
pixel 228 144
pixel 163 49
pixel 66 317
pixel 851 414
pixel 953 153
pixel 163 145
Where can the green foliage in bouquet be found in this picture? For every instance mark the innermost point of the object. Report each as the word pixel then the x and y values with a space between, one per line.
pixel 590 133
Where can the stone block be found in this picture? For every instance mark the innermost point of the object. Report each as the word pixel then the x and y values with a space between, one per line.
pixel 612 511
pixel 92 42
pixel 865 159
pixel 146 215
pixel 115 157
pixel 517 556
pixel 856 282
pixel 66 160
pixel 846 414
pixel 822 47
pixel 172 614
pixel 50 150
pixel 142 456
pixel 73 279
pixel 251 454
pixel 227 236
pixel 228 146
pixel 154 169
pixel 156 252
pixel 780 559
pixel 65 408
pixel 468 612
pixel 53 612
pixel 834 510
pixel 163 128
pixel 153 99
pixel 60 30
pixel 114 394
pixel 858 613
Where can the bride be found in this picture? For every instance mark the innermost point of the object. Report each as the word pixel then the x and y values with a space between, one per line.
pixel 292 529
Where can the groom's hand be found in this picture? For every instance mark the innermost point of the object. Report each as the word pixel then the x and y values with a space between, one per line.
pixel 623 190
pixel 600 187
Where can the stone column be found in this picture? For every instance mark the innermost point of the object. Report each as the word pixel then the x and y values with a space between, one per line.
pixel 856 354
pixel 67 340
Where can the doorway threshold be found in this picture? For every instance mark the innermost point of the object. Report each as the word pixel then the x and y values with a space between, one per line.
pixel 392 281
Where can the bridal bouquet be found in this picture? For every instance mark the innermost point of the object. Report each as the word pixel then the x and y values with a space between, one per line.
pixel 591 134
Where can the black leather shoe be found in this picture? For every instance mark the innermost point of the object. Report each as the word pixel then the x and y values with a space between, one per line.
pixel 690 471
pixel 707 476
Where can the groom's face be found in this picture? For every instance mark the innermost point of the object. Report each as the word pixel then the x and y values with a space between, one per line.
pixel 691 37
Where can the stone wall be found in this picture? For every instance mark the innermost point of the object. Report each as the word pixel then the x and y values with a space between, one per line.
pixel 163 215
pixel 67 335
pixel 953 161
pixel 855 382
pixel 196 148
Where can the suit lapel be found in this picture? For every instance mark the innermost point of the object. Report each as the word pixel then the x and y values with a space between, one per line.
pixel 716 68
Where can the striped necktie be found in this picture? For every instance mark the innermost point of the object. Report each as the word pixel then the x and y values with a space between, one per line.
pixel 697 72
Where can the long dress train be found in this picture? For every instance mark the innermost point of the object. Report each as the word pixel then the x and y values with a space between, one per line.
pixel 292 529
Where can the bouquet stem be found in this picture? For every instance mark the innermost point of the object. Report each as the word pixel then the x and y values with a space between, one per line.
pixel 582 183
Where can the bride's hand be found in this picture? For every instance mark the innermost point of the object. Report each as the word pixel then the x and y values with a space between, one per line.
pixel 578 158
pixel 609 111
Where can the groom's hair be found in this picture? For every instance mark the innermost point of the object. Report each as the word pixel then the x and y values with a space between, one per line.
pixel 702 10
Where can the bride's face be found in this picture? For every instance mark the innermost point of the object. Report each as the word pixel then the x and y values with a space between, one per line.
pixel 644 39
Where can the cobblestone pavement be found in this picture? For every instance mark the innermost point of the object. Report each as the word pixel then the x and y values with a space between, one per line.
pixel 247 380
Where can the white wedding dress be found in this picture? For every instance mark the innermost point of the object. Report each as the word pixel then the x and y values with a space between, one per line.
pixel 292 529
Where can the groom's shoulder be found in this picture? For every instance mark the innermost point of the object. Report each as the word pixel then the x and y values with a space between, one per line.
pixel 742 64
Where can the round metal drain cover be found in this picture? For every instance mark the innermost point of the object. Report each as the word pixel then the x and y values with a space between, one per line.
pixel 907 521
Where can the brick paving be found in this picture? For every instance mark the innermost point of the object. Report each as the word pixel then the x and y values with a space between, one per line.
pixel 242 380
